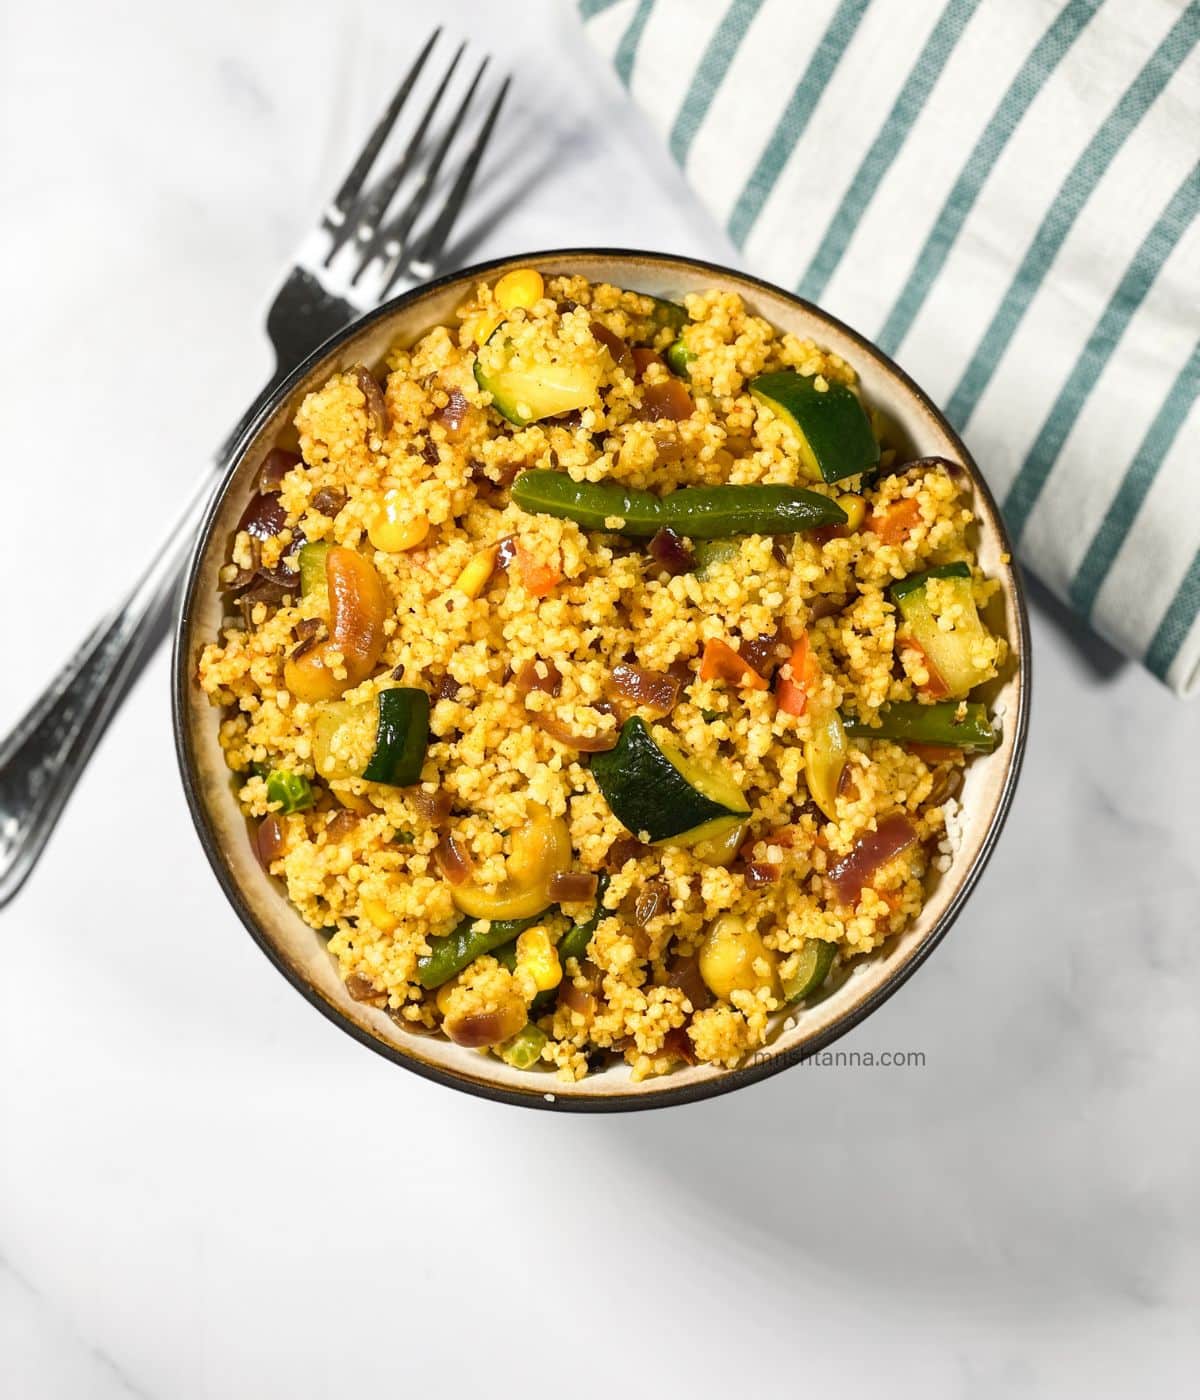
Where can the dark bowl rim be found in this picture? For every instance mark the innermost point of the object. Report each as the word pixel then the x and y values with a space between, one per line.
pixel 576 1102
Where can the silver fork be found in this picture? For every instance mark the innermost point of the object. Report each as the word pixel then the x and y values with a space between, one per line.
pixel 352 260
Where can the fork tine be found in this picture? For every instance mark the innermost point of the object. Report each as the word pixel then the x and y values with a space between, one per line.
pixel 434 241
pixel 365 221
pixel 335 216
pixel 398 230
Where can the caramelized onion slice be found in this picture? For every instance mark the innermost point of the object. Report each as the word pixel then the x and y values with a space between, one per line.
pixel 585 743
pixel 576 998
pixel 453 860
pixel 433 807
pixel 657 690
pixel 375 403
pixel 677 1042
pixel 623 850
pixel 615 346
pixel 762 872
pixel 276 465
pixel 263 517
pixel 872 850
pixel 454 415
pixel 669 400
pixel 530 677
pixel 669 552
pixel 684 972
pixel 268 841
pixel 572 886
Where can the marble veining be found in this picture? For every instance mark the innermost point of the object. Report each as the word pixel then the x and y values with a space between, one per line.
pixel 206 1190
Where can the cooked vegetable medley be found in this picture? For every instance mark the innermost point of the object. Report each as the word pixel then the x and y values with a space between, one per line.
pixel 597 679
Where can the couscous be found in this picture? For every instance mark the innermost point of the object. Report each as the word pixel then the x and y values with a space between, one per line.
pixel 597 677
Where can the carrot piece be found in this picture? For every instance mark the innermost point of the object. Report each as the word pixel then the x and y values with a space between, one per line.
pixel 538 578
pixel 894 525
pixel 935 687
pixel 721 663
pixel 791 692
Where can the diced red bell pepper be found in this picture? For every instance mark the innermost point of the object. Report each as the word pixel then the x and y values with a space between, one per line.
pixel 797 678
pixel 721 663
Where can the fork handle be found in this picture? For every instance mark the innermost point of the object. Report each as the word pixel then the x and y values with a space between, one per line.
pixel 43 757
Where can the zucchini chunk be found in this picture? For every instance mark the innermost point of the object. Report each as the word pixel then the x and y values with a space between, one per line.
pixel 658 790
pixel 711 553
pixel 951 652
pixel 312 569
pixel 825 761
pixel 668 315
pixel 382 739
pixel 526 393
pixel 830 426
pixel 816 958
pixel 401 737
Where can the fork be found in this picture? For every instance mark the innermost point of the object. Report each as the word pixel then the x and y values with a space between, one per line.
pixel 353 260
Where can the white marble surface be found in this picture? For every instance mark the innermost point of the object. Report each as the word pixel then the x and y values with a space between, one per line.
pixel 207 1191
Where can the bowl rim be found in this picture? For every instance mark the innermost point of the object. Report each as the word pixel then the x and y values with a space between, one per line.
pixel 661 1094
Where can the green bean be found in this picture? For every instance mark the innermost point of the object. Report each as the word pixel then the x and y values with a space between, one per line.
pixel 449 953
pixel 700 512
pixel 909 720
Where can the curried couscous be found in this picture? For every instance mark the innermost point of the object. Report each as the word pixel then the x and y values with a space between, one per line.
pixel 597 676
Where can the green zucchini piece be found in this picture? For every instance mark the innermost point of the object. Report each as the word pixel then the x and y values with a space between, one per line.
pixel 401 737
pixel 668 315
pixel 910 721
pixel 344 737
pixel 292 790
pixel 816 958
pixel 312 568
pixel 709 553
pixel 662 792
pixel 449 953
pixel 523 1050
pixel 526 394
pixel 699 512
pixel 914 582
pixel 948 652
pixel 831 427
pixel 678 358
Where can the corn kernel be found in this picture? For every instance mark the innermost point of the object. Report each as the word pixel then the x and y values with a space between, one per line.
pixel 473 579
pixel 521 287
pixel 380 915
pixel 392 529
pixel 856 511
pixel 443 995
pixel 485 323
pixel 538 957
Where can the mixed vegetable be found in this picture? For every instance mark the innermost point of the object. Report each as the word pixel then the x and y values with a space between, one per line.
pixel 660 794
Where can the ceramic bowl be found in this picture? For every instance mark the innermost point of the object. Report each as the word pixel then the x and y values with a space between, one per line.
pixel 299 952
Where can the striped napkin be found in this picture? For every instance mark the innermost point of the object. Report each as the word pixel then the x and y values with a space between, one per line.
pixel 1004 198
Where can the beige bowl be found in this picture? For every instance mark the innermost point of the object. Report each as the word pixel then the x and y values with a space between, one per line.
pixel 299 952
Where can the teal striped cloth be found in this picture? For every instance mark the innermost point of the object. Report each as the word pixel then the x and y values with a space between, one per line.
pixel 1005 198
